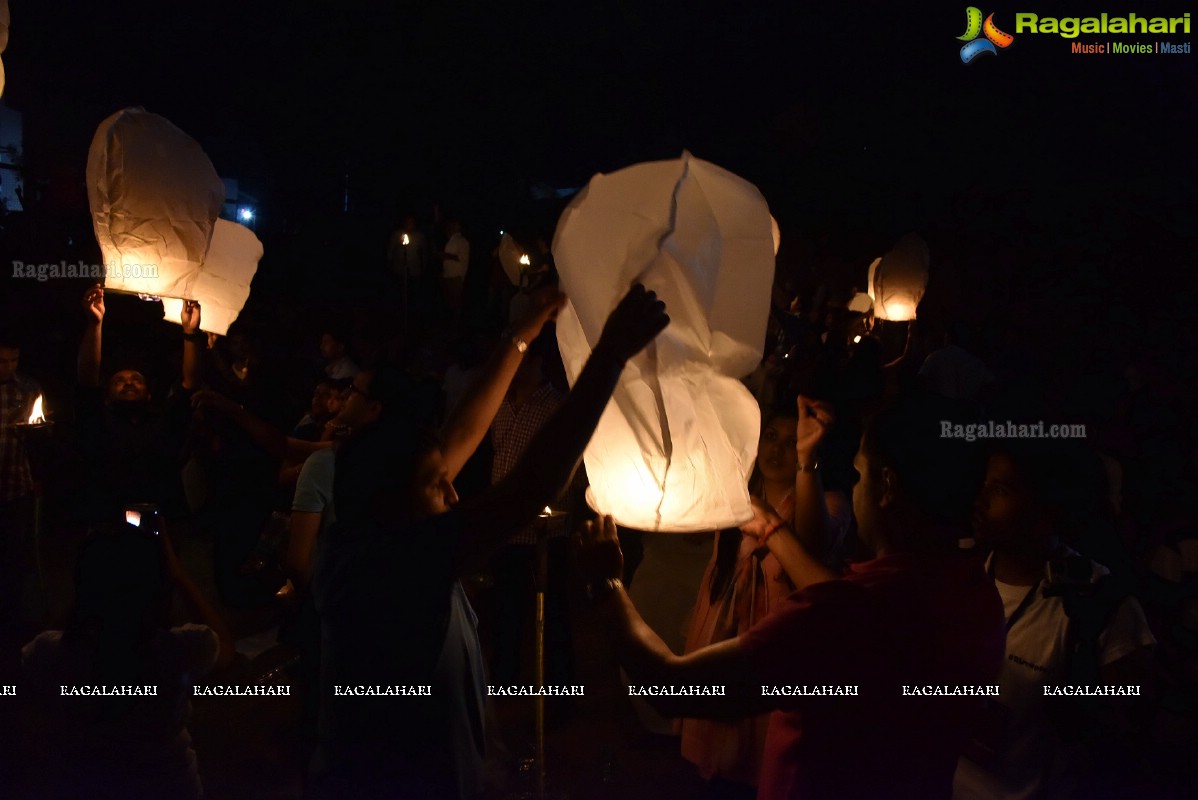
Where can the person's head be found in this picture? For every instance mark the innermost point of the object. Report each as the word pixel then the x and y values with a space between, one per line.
pixel 777 460
pixel 453 226
pixel 915 484
pixel 324 392
pixel 373 393
pixel 337 394
pixel 333 344
pixel 1034 494
pixel 10 358
pixel 395 475
pixel 128 386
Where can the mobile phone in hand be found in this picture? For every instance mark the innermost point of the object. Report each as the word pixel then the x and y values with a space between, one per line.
pixel 146 517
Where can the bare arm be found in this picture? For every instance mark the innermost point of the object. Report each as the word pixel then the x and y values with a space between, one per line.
pixel 265 435
pixel 553 453
pixel 88 365
pixel 647 659
pixel 799 564
pixel 472 418
pixel 198 607
pixel 193 351
pixel 305 527
pixel 811 513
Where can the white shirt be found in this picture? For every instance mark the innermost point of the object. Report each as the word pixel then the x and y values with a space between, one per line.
pixel 456 268
pixel 1033 762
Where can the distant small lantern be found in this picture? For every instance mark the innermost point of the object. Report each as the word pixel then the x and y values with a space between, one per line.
pixel 898 279
pixel 155 198
pixel 4 21
pixel 674 449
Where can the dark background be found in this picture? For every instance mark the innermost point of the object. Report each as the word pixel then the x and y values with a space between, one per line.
pixel 1055 190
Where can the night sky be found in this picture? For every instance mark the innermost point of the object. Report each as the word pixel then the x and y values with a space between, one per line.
pixel 858 121
pixel 825 106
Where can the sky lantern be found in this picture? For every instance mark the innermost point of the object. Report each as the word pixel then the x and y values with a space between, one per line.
pixel 4 19
pixel 898 279
pixel 513 259
pixel 675 446
pixel 155 198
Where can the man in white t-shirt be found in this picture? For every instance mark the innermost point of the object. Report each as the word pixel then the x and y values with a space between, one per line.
pixel 1020 752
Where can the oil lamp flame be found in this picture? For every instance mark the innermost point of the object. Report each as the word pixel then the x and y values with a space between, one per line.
pixel 525 260
pixel 37 417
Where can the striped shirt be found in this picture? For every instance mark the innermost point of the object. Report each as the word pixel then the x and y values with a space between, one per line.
pixel 513 429
pixel 16 403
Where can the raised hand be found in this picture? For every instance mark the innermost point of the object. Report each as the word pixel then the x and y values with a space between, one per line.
pixel 545 305
pixel 190 316
pixel 815 417
pixel 599 554
pixel 93 303
pixel 633 323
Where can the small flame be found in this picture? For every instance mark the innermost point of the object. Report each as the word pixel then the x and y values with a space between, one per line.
pixel 525 260
pixel 406 240
pixel 37 417
pixel 856 340
pixel 548 512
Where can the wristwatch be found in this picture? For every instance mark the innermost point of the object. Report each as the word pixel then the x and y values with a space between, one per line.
pixel 598 590
pixel 521 345
pixel 812 467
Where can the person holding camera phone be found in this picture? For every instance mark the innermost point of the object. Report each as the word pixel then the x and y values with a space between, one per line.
pixel 120 635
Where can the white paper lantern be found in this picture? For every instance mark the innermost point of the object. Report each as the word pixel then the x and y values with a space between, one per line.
pixel 897 280
pixel 513 259
pixel 675 446
pixel 155 198
pixel 4 21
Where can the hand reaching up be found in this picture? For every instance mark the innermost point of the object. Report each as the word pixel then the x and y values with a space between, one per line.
pixel 93 303
pixel 633 323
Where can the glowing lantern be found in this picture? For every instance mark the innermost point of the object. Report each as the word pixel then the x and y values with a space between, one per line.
pixel 675 446
pixel 4 20
pixel 155 198
pixel 512 258
pixel 897 280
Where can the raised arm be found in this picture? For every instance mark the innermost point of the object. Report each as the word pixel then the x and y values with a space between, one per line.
pixel 472 418
pixel 198 607
pixel 87 368
pixel 553 453
pixel 265 435
pixel 799 563
pixel 811 512
pixel 646 658
pixel 193 345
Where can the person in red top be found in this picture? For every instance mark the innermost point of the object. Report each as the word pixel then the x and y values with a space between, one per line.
pixel 920 617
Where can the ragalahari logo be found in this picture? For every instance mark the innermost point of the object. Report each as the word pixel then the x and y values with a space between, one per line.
pixel 974 26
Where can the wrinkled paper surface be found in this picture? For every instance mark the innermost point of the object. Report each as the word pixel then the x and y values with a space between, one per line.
pixel 675 446
pixel 155 198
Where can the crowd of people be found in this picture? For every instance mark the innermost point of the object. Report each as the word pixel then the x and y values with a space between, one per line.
pixel 881 554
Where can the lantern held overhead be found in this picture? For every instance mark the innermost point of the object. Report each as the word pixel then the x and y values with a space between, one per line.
pixel 898 279
pixel 674 447
pixel 155 198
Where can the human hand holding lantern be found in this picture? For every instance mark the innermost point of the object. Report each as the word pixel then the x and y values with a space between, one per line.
pixel 599 556
pixel 633 323
pixel 545 306
pixel 815 417
pixel 189 317
pixel 93 303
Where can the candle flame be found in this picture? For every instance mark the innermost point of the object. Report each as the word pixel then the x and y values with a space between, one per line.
pixel 525 260
pixel 856 340
pixel 37 417
pixel 406 240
